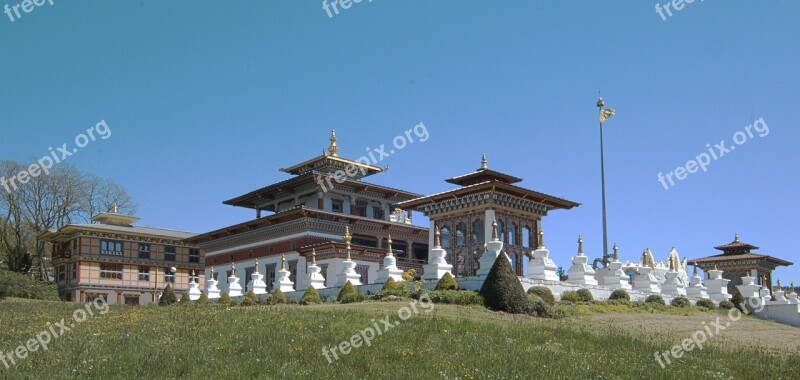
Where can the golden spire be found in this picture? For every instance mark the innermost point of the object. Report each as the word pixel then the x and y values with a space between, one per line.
pixel 616 252
pixel 333 149
pixel 672 264
pixel 484 163
pixel 715 266
pixel 437 238
pixel 283 262
pixel 695 270
pixel 494 230
pixel 580 245
pixel 644 258
pixel 389 246
pixel 114 208
pixel 313 256
pixel 256 264
pixel 764 282
pixel 779 284
pixel 191 279
pixel 736 239
pixel 347 238
pixel 233 267
pixel 541 239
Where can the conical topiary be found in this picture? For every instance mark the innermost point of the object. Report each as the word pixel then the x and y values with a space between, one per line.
pixel 447 282
pixel 310 296
pixel 168 297
pixel 390 286
pixel 250 299
pixel 185 298
pixel 502 291
pixel 347 289
pixel 277 298
pixel 225 299
pixel 203 298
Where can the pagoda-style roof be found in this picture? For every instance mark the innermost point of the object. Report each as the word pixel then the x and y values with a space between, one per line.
pixel 330 163
pixel 274 191
pixel 739 251
pixel 483 174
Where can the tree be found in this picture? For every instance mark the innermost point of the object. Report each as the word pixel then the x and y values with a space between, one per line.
pixel 562 274
pixel 168 297
pixel 502 290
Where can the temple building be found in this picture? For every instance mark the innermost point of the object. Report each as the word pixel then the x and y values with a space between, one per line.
pixel 465 215
pixel 122 263
pixel 737 261
pixel 310 212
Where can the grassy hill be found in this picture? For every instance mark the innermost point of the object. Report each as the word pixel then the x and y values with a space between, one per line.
pixel 450 342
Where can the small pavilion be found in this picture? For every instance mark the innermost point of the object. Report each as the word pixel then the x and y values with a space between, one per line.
pixel 737 260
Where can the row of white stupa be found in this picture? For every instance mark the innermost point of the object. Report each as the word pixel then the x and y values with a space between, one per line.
pixel 650 277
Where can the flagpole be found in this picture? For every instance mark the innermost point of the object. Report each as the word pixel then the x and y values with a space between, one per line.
pixel 600 105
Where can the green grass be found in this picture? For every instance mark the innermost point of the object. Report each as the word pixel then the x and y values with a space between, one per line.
pixel 286 341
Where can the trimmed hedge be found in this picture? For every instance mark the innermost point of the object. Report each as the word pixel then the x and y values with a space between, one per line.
pixel 544 293
pixel 619 294
pixel 455 297
pixel 277 298
pixel 655 298
pixel 353 297
pixel 185 298
pixel 726 305
pixel 250 299
pixel 447 282
pixel 502 291
pixel 310 296
pixel 586 295
pixel 203 298
pixel 681 301
pixel 13 284
pixel 346 290
pixel 708 304
pixel 168 297
pixel 570 296
pixel 538 308
pixel 226 300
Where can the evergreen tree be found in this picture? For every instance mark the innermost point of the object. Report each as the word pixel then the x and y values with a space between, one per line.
pixel 502 290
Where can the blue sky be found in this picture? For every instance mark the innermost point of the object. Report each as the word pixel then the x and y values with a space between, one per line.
pixel 206 100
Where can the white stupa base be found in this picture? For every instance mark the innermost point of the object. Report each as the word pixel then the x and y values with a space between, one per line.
pixel 437 266
pixel 489 256
pixel 283 282
pixel 315 278
pixel 542 267
pixel 580 273
pixel 194 291
pixel 257 285
pixel 234 289
pixel 348 274
pixel 212 291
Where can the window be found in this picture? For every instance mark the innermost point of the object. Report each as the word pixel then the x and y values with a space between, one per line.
pixel 377 213
pixel 111 271
pixel 501 231
pixel 61 273
pixel 323 271
pixel 512 234
pixel 363 270
pixel 526 237
pixel 131 299
pixel 169 253
pixel 269 275
pixel 91 297
pixel 194 255
pixel 110 247
pixel 74 269
pixel 169 276
pixel 445 236
pixel 337 205
pixel 144 273
pixel 360 208
pixel 461 234
pixel 292 267
pixel 477 232
pixel 144 251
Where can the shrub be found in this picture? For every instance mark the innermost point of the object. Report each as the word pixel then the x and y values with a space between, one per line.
pixel 619 294
pixel 390 286
pixel 250 299
pixel 544 293
pixel 681 301
pixel 447 282
pixel 203 298
pixel 226 300
pixel 347 290
pixel 655 298
pixel 185 298
pixel 740 302
pixel 409 275
pixel 726 305
pixel 277 298
pixel 586 295
pixel 13 284
pixel 538 308
pixel 168 297
pixel 570 296
pixel 502 291
pixel 708 304
pixel 455 297
pixel 310 296
pixel 353 297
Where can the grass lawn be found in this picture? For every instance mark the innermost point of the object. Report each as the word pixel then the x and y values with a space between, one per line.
pixel 450 342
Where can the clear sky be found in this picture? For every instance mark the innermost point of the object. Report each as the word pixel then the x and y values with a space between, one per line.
pixel 206 100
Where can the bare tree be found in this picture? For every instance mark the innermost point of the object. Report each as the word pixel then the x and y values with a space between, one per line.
pixel 47 202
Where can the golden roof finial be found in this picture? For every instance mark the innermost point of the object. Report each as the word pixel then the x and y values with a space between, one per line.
pixel 114 208
pixel 600 102
pixel 313 256
pixel 389 246
pixel 437 237
pixel 233 267
pixel 256 264
pixel 616 252
pixel 283 262
pixel 347 239
pixel 580 245
pixel 736 238
pixel 333 149
pixel 494 230
pixel 672 265
pixel 484 163
pixel 541 239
